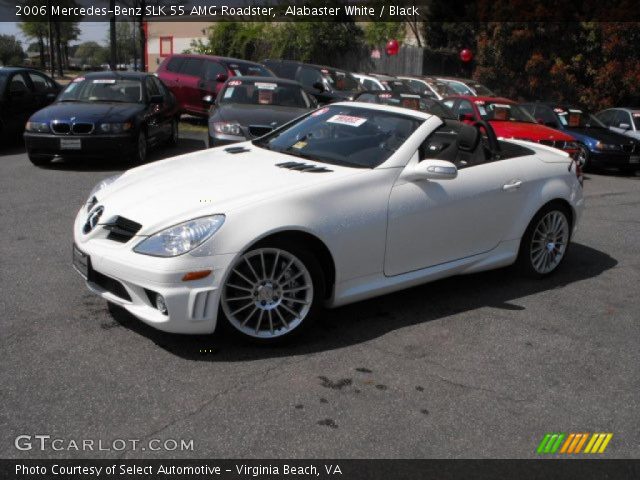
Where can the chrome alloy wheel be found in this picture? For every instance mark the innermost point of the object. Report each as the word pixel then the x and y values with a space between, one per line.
pixel 549 242
pixel 268 293
pixel 582 156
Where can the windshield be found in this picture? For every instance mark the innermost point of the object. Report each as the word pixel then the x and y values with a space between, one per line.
pixel 503 112
pixel 576 118
pixel 249 69
pixel 459 88
pixel 344 135
pixel 103 90
pixel 441 89
pixel 404 100
pixel 264 93
pixel 482 91
pixel 399 86
pixel 340 81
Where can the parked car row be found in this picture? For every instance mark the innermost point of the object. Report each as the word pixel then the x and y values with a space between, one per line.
pixel 245 100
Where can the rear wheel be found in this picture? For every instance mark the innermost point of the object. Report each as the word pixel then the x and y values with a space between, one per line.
pixel 273 293
pixel 40 160
pixel 545 242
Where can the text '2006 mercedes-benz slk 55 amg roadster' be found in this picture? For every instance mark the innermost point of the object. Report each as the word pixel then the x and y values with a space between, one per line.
pixel 345 203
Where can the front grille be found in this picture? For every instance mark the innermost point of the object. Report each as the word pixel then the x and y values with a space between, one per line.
pixel 122 229
pixel 259 130
pixel 65 128
pixel 61 128
pixel 82 128
pixel 110 285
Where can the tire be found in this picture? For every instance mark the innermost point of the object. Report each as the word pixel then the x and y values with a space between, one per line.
pixel 142 146
pixel 173 138
pixel 273 293
pixel 40 160
pixel 545 243
pixel 583 157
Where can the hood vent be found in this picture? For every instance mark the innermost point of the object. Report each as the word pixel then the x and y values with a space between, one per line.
pixel 236 150
pixel 303 167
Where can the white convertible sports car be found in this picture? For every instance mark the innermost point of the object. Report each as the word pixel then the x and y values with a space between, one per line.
pixel 348 202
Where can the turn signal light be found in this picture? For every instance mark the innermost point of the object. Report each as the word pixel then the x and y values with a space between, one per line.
pixel 196 275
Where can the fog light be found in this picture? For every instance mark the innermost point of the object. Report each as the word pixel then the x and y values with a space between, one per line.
pixel 161 305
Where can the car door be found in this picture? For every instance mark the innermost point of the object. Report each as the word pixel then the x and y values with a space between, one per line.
pixel 621 122
pixel 215 74
pixel 19 100
pixel 191 76
pixel 432 222
pixel 45 90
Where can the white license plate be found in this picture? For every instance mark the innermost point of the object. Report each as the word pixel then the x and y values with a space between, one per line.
pixel 70 144
pixel 80 262
pixel 634 159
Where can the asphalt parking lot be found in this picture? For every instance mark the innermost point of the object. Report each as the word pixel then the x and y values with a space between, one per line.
pixel 477 366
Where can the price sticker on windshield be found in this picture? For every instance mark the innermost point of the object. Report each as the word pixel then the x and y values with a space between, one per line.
pixel 109 81
pixel 320 112
pixel 266 86
pixel 347 120
pixel 234 83
pixel 78 79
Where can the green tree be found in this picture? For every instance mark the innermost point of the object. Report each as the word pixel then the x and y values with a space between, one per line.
pixel 91 53
pixel 11 52
pixel 36 31
pixel 378 33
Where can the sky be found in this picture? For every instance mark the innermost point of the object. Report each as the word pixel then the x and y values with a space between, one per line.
pixel 89 31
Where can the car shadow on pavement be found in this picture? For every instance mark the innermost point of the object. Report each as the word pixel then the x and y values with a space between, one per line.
pixel 184 145
pixel 363 321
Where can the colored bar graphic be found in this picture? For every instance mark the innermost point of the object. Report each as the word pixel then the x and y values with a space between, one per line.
pixel 573 443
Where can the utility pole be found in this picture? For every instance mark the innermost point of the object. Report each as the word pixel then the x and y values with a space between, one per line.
pixel 51 57
pixel 112 35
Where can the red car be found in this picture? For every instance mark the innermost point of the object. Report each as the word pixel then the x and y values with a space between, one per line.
pixel 509 121
pixel 193 77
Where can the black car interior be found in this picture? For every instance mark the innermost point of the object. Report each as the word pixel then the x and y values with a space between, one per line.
pixel 468 145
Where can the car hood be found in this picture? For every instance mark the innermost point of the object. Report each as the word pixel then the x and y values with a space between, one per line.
pixel 88 112
pixel 528 131
pixel 207 182
pixel 266 115
pixel 600 134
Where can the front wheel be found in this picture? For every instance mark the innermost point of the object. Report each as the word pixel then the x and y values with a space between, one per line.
pixel 583 157
pixel 273 293
pixel 545 242
pixel 140 152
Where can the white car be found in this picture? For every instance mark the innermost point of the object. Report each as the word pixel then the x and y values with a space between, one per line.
pixel 348 202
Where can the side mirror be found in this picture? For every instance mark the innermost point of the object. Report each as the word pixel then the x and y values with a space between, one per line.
pixel 318 86
pixel 466 117
pixel 624 126
pixel 208 99
pixel 433 170
pixel 221 77
pixel 156 100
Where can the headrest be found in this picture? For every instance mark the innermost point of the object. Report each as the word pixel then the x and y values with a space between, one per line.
pixel 468 138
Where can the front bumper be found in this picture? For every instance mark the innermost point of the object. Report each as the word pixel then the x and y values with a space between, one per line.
pixel 91 145
pixel 121 276
pixel 614 159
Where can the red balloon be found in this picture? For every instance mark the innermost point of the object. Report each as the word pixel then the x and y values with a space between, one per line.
pixel 466 55
pixel 392 47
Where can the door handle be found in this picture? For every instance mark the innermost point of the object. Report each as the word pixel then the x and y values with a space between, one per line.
pixel 514 185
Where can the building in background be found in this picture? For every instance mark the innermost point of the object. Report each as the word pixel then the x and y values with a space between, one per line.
pixel 167 38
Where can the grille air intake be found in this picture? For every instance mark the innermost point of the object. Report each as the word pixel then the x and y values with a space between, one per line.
pixel 122 229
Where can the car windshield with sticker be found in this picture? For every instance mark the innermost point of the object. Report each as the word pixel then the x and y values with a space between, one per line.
pixel 344 135
pixel 103 90
pixel 264 93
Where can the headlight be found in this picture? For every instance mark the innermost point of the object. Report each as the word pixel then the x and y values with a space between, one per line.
pixel 227 128
pixel 181 238
pixel 115 127
pixel 91 201
pixel 38 127
pixel 607 146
